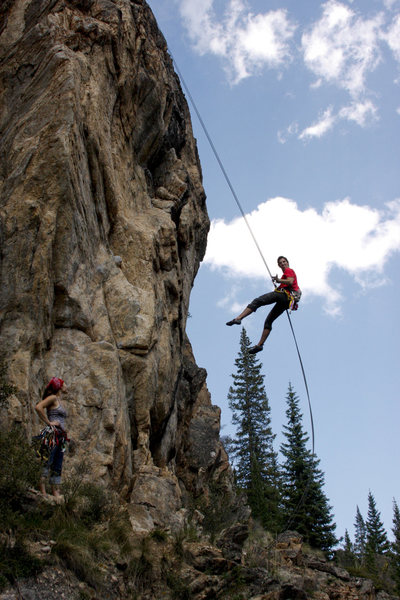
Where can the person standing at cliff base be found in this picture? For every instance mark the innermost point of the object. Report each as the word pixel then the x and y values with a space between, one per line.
pixel 286 295
pixel 54 436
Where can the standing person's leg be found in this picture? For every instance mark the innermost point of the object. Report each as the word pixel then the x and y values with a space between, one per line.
pixel 282 304
pixel 55 470
pixel 42 485
pixel 46 470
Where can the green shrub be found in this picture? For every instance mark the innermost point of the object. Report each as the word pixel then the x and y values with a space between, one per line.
pixel 180 590
pixel 119 529
pixel 93 504
pixel 159 535
pixel 188 533
pixel 84 527
pixel 140 570
pixel 19 470
pixel 80 528
pixel 19 515
pixel 218 514
pixel 5 388
pixel 79 559
pixel 87 501
pixel 16 562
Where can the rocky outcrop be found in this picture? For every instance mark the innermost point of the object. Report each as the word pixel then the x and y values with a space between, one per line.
pixel 170 568
pixel 103 225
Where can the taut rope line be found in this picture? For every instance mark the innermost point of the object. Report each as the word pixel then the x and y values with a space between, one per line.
pixel 235 196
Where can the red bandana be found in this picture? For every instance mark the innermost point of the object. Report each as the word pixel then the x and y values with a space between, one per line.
pixel 55 384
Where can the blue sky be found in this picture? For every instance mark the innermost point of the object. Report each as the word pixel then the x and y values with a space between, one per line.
pixel 302 102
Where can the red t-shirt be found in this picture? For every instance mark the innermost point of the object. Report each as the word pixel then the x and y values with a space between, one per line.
pixel 289 273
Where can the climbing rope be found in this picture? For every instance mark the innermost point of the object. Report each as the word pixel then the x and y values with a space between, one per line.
pixel 221 164
pixel 235 196
pixel 305 382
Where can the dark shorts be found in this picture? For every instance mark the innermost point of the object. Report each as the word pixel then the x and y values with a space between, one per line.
pixel 281 301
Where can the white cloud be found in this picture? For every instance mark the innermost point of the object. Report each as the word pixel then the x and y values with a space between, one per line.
pixel 245 41
pixel 291 130
pixel 342 48
pixel 322 126
pixel 352 238
pixel 392 37
pixel 229 297
pixel 362 113
pixel 389 4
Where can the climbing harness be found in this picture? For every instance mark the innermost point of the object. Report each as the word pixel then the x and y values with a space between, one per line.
pixel 47 440
pixel 296 295
pixel 293 297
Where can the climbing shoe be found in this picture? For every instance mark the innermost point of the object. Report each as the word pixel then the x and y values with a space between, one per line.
pixel 234 322
pixel 255 349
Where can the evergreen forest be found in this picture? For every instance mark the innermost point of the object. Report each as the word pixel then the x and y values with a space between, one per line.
pixel 286 491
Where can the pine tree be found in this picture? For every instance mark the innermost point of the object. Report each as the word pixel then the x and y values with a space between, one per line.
pixel 305 504
pixel 377 541
pixel 347 545
pixel 360 536
pixel 256 464
pixel 347 557
pixel 395 547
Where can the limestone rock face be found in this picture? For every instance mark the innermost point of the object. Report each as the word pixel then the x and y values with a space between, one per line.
pixel 103 225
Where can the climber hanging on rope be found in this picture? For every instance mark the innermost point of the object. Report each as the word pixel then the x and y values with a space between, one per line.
pixel 285 296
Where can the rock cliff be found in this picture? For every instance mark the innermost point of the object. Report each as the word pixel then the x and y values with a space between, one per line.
pixel 103 225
